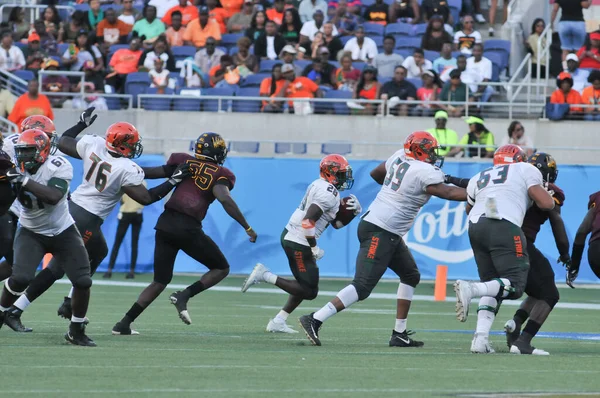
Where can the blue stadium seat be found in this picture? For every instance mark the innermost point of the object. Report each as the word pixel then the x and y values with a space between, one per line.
pixel 455 9
pixel 345 39
pixel 267 65
pixel 417 82
pixel 340 149
pixel 408 43
pixel 113 103
pixel 420 29
pixel 373 29
pixel 115 7
pixel 399 29
pixel 157 104
pixel 456 54
pixel 26 75
pixel 187 104
pixel 212 105
pixel 498 45
pixel 61 48
pixel 367 3
pixel 378 40
pixel 82 7
pixel 254 80
pixel 182 52
pixel 242 146
pixel 359 65
pixel 137 83
pixel 339 108
pixel 498 65
pixel 384 80
pixel 230 39
pixel 247 106
pixel 405 53
pixel 21 46
pixel 431 55
pixel 296 148
pixel 302 63
pixel 335 64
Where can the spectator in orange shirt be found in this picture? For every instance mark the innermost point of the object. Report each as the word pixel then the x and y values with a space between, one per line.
pixel 591 96
pixel 123 62
pixel 187 10
pixel 565 94
pixel 218 73
pixel 112 30
pixel 232 6
pixel 271 87
pixel 217 13
pixel 298 87
pixel 275 14
pixel 200 29
pixel 176 31
pixel 31 103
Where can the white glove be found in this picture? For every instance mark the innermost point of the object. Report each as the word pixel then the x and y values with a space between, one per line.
pixel 547 188
pixel 354 204
pixel 317 252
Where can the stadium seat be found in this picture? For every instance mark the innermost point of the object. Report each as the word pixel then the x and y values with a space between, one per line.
pixel 115 7
pixel 408 43
pixel 82 7
pixel 339 108
pixel 338 148
pixel 417 82
pixel 359 65
pixel 187 104
pixel 335 64
pixel 373 29
pixel 247 105
pixel 212 105
pixel 21 46
pixel 62 48
pixel 113 103
pixel 367 3
pixel 420 29
pixel 345 39
pixel 502 46
pixel 455 9
pixel 182 52
pixel 405 53
pixel 157 104
pixel 399 29
pixel 267 65
pixel 431 55
pixel 230 39
pixel 384 80
pixel 295 148
pixel 497 64
pixel 254 80
pixel 234 50
pixel 26 75
pixel 456 54
pixel 378 40
pixel 244 146
pixel 302 63
pixel 137 83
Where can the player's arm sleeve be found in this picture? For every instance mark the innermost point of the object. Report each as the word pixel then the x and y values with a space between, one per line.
pixel 165 170
pixel 226 177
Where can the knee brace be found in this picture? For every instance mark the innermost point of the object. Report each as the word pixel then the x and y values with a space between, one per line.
pixel 508 289
pixel 487 303
pixel 16 286
pixel 411 280
pixel 84 282
pixel 362 291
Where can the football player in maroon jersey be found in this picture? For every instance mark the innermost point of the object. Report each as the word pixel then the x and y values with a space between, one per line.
pixel 590 224
pixel 180 227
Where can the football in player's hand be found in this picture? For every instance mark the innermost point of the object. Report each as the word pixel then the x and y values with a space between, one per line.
pixel 344 216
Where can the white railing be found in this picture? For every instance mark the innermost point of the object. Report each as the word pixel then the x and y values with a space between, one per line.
pixel 543 55
pixel 13 83
pixel 513 93
pixel 7 127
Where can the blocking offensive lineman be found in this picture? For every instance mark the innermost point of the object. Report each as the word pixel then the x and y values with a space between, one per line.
pixel 108 172
pixel 408 179
pixel 179 227
pixel 498 199
pixel 47 227
pixel 316 212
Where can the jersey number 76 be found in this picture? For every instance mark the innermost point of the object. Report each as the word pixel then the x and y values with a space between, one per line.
pixel 102 174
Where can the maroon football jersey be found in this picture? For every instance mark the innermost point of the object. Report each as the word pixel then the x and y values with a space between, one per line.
pixel 595 204
pixel 193 195
pixel 535 217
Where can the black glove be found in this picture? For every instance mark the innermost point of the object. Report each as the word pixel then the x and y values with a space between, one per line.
pixel 88 117
pixel 182 171
pixel 15 176
pixel 572 272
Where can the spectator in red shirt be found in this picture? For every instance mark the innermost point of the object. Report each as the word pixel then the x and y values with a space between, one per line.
pixel 275 14
pixel 187 10
pixel 589 56
pixel 123 62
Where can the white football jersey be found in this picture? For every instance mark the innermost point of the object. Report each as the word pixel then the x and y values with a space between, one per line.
pixel 403 193
pixel 322 194
pixel 501 192
pixel 9 147
pixel 43 218
pixel 103 177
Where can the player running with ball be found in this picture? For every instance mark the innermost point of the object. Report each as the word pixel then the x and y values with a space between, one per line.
pixel 318 209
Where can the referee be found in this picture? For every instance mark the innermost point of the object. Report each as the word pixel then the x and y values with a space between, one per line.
pixel 130 213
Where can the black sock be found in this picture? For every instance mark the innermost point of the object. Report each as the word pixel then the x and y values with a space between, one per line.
pixel 194 289
pixel 530 331
pixel 520 317
pixel 133 313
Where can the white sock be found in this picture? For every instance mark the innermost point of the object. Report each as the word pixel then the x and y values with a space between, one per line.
pixel 22 302
pixel 270 277
pixel 325 313
pixel 283 316
pixel 74 319
pixel 70 293
pixel 486 315
pixel 400 325
pixel 348 296
pixel 491 288
pixel 2 309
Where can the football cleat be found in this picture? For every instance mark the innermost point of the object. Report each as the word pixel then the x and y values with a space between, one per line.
pixel 107 275
pixel 279 326
pixel 12 319
pixel 123 329
pixel 256 276
pixel 130 275
pixel 519 347
pixel 76 335
pixel 65 310
pixel 180 302
pixel 481 345
pixel 512 333
pixel 464 294
pixel 311 327
pixel 403 339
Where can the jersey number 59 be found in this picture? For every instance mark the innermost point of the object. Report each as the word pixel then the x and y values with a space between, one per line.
pixel 397 172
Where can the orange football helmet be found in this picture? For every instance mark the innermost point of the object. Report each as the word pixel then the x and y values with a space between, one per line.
pixel 123 139
pixel 508 154
pixel 32 149
pixel 336 170
pixel 41 122
pixel 422 146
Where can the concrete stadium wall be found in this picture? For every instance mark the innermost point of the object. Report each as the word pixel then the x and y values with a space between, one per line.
pixel 166 132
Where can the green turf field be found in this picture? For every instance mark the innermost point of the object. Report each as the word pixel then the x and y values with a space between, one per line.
pixel 226 353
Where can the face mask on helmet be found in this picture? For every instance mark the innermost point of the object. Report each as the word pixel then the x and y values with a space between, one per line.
pixel 27 157
pixel 344 179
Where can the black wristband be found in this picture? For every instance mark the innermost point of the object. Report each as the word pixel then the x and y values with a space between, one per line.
pixel 459 182
pixel 160 191
pixel 74 131
pixel 576 255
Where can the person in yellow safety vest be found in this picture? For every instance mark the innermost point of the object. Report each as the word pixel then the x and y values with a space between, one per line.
pixel 478 135
pixel 446 138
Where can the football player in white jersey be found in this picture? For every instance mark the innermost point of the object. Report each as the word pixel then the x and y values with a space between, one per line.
pixel 42 182
pixel 316 212
pixel 498 199
pixel 9 220
pixel 408 178
pixel 108 172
